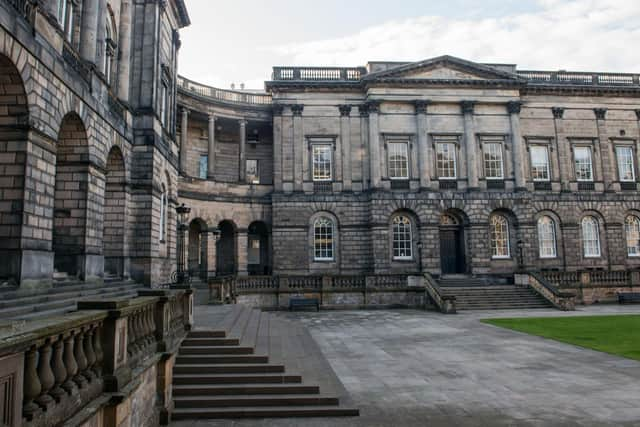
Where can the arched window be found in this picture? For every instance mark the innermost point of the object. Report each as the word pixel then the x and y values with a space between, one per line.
pixel 323 239
pixel 499 237
pixel 632 231
pixel 402 238
pixel 590 237
pixel 547 237
pixel 163 213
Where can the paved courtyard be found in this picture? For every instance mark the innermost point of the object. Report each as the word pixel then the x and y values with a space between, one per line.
pixel 411 368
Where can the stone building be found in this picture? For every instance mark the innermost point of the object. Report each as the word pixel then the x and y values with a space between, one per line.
pixel 88 157
pixel 442 165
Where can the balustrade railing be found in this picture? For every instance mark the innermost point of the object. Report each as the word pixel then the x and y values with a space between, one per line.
pixel 581 78
pixel 233 96
pixel 319 73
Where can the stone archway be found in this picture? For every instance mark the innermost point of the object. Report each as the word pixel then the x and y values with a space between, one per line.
pixel 258 249
pixel 197 249
pixel 226 259
pixel 115 216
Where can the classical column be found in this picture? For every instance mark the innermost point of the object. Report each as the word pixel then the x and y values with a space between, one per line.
pixel 212 255
pixel 243 246
pixel 184 140
pixel 277 146
pixel 298 146
pixel 364 145
pixel 423 143
pixel 243 150
pixel 470 144
pixel 211 156
pixel 89 31
pixel 373 107
pixel 518 150
pixel 345 141
pixel 606 151
pixel 564 151
pixel 124 47
pixel 101 34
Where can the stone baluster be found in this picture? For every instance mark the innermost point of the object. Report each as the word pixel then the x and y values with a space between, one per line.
pixel 59 370
pixel 140 330
pixel 97 347
pixel 45 375
pixel 89 354
pixel 70 364
pixel 32 386
pixel 81 359
pixel 131 337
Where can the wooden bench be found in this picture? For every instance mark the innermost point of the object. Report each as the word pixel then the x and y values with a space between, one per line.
pixel 625 297
pixel 303 303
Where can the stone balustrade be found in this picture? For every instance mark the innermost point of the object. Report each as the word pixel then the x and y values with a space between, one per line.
pixel 445 303
pixel 561 299
pixel 56 370
pixel 318 73
pixel 580 78
pixel 595 285
pixel 224 95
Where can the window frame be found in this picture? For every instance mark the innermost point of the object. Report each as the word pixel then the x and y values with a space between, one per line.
pixel 554 238
pixel 544 147
pixel 407 160
pixel 493 237
pixel 598 245
pixel 329 146
pixel 256 176
pixel 626 235
pixel 499 144
pixel 164 92
pixel 632 158
pixel 394 233
pixel 203 165
pixel 589 150
pixel 454 145
pixel 163 214
pixel 316 238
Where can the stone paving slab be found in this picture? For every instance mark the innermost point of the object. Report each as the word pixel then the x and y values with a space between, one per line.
pixel 416 368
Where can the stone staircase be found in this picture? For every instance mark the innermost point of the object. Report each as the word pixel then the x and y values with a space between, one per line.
pixel 489 294
pixel 29 304
pixel 254 365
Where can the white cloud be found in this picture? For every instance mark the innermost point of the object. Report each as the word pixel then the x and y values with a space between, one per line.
pixel 595 35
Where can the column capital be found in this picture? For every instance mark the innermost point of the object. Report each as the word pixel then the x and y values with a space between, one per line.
pixel 296 109
pixel 558 112
pixel 373 106
pixel 467 106
pixel 364 110
pixel 185 111
pixel 212 117
pixel 514 107
pixel 421 105
pixel 345 110
pixel 242 122
pixel 277 109
pixel 601 113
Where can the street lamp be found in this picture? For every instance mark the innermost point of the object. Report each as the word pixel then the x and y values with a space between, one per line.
pixel 183 213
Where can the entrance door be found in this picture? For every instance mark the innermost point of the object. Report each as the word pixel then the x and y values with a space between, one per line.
pixel 452 251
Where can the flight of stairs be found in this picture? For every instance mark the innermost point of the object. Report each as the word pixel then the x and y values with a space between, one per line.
pixel 62 297
pixel 229 373
pixel 484 294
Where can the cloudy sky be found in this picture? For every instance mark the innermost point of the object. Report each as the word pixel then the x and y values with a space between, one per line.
pixel 238 41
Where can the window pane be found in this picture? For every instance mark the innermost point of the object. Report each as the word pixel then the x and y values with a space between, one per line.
pixel 625 164
pixel 539 163
pixel 398 160
pixel 499 237
pixel 632 231
pixel 401 230
pixel 323 239
pixel 584 170
pixel 203 170
pixel 446 160
pixel 590 237
pixel 252 175
pixel 322 162
pixel 547 237
pixel 493 161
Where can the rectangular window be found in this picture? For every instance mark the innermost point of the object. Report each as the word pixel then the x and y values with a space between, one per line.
pixel 163 104
pixel 583 164
pixel 61 12
pixel 252 176
pixel 624 155
pixel 322 158
pixel 398 160
pixel 539 163
pixel 68 25
pixel 493 168
pixel 446 160
pixel 253 254
pixel 204 166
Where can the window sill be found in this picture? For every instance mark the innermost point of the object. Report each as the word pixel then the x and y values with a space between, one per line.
pixel 501 257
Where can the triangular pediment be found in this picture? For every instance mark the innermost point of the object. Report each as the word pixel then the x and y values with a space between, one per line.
pixel 443 68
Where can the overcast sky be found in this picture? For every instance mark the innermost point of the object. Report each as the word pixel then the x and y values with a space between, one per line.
pixel 235 41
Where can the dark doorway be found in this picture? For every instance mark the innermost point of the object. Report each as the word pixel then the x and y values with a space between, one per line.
pixel 226 249
pixel 452 253
pixel 258 252
pixel 198 249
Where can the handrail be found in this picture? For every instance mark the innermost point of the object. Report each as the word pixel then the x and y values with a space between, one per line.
pixel 563 300
pixel 233 96
pixel 445 303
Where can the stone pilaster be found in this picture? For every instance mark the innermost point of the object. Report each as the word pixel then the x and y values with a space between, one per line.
pixel 606 152
pixel 89 31
pixel 211 153
pixel 243 246
pixel 423 143
pixel 470 144
pixel 364 144
pixel 513 108
pixel 373 108
pixel 101 34
pixel 345 141
pixel 124 62
pixel 277 146
pixel 184 141
pixel 243 150
pixel 564 151
pixel 298 146
pixel 212 252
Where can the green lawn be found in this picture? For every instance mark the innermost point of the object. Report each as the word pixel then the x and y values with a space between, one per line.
pixel 619 335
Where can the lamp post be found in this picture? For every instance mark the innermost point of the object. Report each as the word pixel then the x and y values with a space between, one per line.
pixel 183 212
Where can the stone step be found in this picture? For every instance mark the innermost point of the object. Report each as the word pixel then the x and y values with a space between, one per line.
pixel 252 400
pixel 199 359
pixel 212 350
pixel 200 379
pixel 210 342
pixel 201 333
pixel 243 389
pixel 263 412
pixel 228 369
